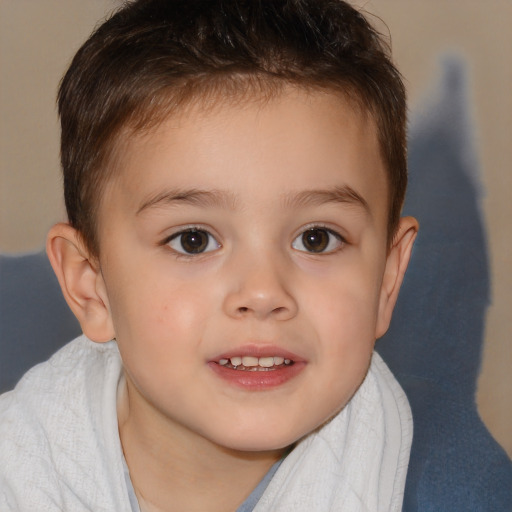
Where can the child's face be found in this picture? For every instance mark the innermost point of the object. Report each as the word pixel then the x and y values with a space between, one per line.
pixel 250 230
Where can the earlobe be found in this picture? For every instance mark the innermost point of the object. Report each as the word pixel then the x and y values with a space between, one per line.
pixel 396 265
pixel 81 282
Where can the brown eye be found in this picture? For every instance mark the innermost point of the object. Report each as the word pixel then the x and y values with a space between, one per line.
pixel 317 240
pixel 193 241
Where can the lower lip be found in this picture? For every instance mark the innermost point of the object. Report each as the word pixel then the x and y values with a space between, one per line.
pixel 258 380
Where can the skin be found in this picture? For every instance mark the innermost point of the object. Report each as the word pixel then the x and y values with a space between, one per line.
pixel 267 172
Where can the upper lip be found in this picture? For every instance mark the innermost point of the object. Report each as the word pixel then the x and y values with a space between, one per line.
pixel 259 350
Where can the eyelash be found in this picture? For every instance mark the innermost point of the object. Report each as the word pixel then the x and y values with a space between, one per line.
pixel 298 243
pixel 333 237
pixel 178 237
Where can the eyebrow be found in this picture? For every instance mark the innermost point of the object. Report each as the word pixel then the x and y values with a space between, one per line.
pixel 219 198
pixel 196 197
pixel 341 194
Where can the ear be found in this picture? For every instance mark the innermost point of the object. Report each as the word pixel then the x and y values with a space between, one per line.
pixel 81 280
pixel 396 264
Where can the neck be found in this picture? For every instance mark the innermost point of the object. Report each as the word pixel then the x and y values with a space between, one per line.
pixel 174 469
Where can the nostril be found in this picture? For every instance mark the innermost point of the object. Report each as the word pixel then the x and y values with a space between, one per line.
pixel 242 310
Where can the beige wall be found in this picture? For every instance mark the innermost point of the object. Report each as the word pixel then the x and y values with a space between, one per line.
pixel 37 40
pixel 39 37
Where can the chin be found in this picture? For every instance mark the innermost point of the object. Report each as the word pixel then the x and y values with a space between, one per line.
pixel 259 446
pixel 261 441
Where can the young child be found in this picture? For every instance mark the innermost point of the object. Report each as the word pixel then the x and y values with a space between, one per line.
pixel 234 172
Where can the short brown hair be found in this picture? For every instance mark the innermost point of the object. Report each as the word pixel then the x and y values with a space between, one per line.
pixel 151 55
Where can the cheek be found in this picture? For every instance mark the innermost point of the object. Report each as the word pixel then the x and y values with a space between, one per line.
pixel 344 304
pixel 347 329
pixel 343 313
pixel 163 315
pixel 156 308
pixel 159 330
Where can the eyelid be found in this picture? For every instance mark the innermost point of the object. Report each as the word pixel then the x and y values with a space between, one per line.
pixel 320 226
pixel 335 230
pixel 187 229
pixel 184 228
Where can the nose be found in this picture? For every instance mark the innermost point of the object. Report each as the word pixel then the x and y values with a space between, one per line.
pixel 258 289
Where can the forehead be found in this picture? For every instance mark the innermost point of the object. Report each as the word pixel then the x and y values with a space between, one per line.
pixel 282 143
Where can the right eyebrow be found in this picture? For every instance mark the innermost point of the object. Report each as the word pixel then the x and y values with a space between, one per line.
pixel 193 196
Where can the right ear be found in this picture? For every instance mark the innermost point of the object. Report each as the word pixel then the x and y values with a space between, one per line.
pixel 81 281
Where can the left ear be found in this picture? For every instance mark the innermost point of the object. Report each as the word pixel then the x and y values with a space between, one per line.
pixel 396 264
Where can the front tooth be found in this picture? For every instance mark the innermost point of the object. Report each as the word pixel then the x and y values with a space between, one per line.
pixel 278 360
pixel 266 362
pixel 236 361
pixel 249 361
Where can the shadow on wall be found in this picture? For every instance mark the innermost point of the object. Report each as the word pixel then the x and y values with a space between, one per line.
pixel 434 346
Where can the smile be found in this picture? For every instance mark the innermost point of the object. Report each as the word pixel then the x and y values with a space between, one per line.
pixel 255 364
pixel 258 368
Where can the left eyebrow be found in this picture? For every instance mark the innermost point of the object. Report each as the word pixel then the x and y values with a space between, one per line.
pixel 341 194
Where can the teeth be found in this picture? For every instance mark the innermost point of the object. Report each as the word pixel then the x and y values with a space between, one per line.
pixel 251 362
pixel 236 361
pixel 266 362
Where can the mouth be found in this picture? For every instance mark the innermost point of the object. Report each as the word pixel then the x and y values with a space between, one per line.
pixel 256 368
pixel 255 364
